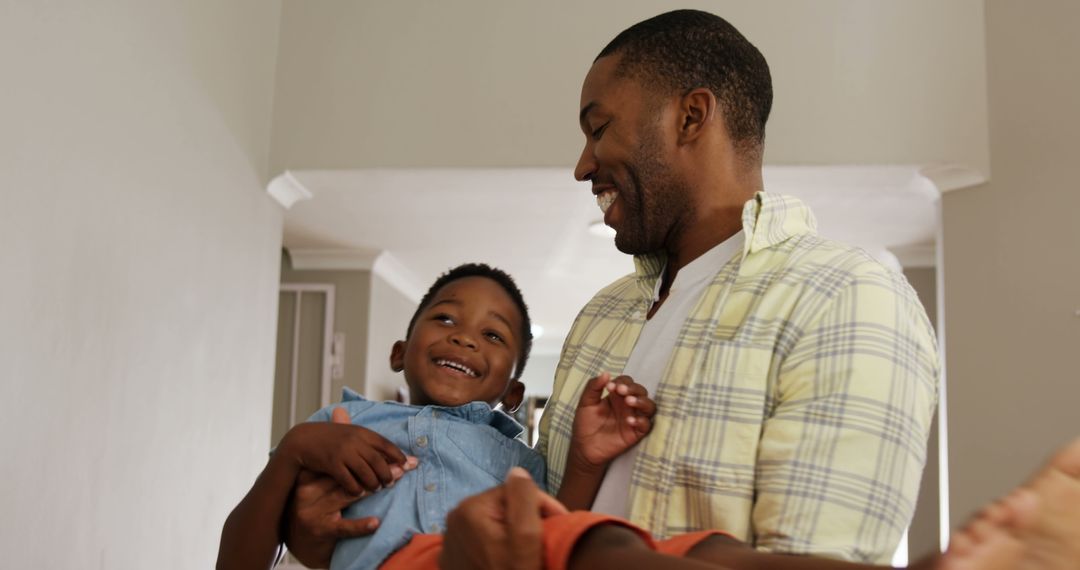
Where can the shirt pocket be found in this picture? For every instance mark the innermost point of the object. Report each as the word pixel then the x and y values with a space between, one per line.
pixel 483 447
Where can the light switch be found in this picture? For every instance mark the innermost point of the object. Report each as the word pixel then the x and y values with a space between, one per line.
pixel 337 356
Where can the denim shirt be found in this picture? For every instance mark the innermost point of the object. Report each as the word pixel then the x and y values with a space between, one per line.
pixel 462 451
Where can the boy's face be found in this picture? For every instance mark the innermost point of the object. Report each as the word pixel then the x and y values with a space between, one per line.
pixel 464 347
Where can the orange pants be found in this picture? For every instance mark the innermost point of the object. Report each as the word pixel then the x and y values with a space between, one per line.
pixel 561 534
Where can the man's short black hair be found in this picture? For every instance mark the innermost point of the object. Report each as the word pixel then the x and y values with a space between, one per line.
pixel 505 281
pixel 686 49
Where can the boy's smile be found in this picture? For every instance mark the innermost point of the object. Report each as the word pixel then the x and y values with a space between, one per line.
pixel 463 347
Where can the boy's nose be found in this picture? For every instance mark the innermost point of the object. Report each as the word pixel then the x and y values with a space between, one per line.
pixel 462 339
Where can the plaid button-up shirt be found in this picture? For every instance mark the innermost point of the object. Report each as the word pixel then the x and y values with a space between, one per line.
pixel 795 408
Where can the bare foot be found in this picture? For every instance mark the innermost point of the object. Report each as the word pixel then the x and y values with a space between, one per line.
pixel 993 540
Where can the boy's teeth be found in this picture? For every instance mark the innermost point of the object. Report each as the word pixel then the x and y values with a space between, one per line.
pixel 458 367
pixel 605 200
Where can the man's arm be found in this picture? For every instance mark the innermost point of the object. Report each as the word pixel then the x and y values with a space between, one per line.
pixel 313 521
pixel 502 528
pixel 841 453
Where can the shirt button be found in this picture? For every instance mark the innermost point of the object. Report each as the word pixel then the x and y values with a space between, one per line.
pixel 430 487
pixel 422 441
pixel 435 528
pixel 435 413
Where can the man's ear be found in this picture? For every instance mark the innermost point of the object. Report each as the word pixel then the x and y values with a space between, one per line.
pixel 697 109
pixel 397 356
pixel 515 393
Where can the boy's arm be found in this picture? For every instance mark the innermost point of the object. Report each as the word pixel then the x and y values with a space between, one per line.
pixel 604 428
pixel 358 459
pixel 252 533
pixel 580 484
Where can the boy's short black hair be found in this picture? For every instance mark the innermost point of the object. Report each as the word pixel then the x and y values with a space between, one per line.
pixel 685 49
pixel 505 281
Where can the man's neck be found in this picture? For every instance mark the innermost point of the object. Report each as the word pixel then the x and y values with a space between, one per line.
pixel 701 236
pixel 693 246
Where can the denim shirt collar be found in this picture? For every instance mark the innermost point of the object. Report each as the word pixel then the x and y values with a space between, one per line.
pixel 473 412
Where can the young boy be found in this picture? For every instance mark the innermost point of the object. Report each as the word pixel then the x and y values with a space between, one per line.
pixel 464 352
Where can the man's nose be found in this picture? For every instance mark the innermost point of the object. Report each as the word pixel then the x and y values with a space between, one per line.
pixel 586 166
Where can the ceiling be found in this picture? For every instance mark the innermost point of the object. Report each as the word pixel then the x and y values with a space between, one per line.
pixel 534 223
pixel 427 158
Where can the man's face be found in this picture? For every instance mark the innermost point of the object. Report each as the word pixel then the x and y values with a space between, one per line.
pixel 627 157
pixel 463 347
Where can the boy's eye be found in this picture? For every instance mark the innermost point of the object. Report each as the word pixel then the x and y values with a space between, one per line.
pixel 446 319
pixel 494 336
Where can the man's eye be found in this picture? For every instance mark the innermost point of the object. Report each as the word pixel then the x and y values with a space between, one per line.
pixel 599 132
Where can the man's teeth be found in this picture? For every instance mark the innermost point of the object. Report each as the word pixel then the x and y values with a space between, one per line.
pixel 457 366
pixel 605 200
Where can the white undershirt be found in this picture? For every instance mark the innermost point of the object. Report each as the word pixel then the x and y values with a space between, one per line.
pixel 650 356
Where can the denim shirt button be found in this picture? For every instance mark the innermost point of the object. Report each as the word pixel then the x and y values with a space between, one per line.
pixel 430 487
pixel 422 441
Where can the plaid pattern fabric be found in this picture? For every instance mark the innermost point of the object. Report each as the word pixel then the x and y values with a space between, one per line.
pixel 795 408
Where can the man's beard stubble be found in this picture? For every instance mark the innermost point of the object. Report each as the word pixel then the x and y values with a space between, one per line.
pixel 653 204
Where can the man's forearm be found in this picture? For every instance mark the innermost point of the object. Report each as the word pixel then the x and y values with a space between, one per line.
pixel 616 548
pixel 252 533
pixel 730 553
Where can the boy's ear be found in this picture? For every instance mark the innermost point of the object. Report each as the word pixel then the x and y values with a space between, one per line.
pixel 397 356
pixel 515 393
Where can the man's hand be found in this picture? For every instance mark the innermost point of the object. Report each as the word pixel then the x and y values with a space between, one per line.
pixel 606 426
pixel 313 520
pixel 357 458
pixel 499 528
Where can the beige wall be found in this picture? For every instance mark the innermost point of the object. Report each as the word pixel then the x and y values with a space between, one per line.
pixel 924 533
pixel 140 264
pixel 491 83
pixel 352 292
pixel 1012 267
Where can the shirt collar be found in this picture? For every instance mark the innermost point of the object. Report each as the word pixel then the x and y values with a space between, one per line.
pixel 772 219
pixel 768 220
pixel 474 412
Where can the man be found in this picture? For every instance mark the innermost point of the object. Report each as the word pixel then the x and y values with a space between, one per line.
pixel 794 377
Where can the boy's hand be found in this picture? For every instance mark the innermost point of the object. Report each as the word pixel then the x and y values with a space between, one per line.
pixel 356 458
pixel 606 426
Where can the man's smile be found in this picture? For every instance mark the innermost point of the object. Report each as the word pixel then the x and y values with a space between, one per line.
pixel 605 199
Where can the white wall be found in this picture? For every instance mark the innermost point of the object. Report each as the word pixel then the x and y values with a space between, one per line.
pixel 539 375
pixel 390 311
pixel 1012 261
pixel 139 286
